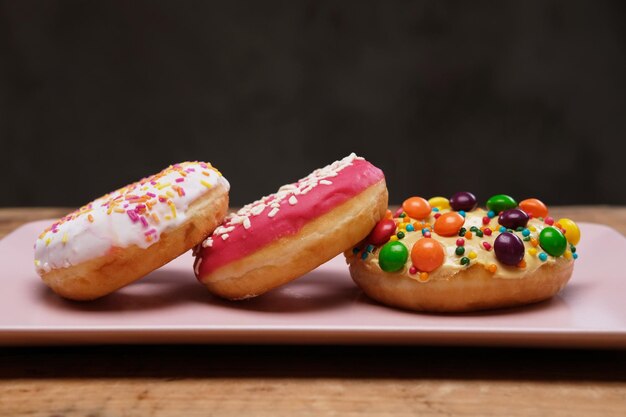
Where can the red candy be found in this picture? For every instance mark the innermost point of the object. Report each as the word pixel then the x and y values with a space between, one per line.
pixel 487 231
pixel 460 242
pixel 381 233
pixel 549 221
pixel 486 220
pixel 487 245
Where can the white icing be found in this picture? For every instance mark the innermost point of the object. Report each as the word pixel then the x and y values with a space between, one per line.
pixel 93 230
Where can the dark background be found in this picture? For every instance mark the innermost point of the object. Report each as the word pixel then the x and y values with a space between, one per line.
pixel 526 98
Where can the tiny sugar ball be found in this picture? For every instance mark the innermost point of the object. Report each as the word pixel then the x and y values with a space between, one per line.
pixel 410 228
pixel 549 221
pixel 543 257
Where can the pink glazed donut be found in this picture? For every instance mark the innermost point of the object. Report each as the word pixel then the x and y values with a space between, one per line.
pixel 291 232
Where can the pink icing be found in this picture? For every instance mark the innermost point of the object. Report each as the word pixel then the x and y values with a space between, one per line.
pixel 288 220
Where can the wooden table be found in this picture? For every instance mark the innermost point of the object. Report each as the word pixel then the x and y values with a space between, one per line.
pixel 313 380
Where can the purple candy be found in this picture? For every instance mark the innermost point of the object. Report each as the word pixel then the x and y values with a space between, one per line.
pixel 513 218
pixel 463 200
pixel 509 248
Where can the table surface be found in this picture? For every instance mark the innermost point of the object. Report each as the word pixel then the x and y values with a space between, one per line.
pixel 311 380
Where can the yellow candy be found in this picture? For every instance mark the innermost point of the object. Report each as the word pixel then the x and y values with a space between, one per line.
pixel 572 232
pixel 393 238
pixel 439 202
pixel 472 255
pixel 568 254
pixel 532 251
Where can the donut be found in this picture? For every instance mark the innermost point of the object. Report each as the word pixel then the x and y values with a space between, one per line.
pixel 448 255
pixel 291 232
pixel 122 236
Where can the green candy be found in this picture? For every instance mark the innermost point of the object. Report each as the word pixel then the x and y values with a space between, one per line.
pixel 393 256
pixel 552 241
pixel 501 202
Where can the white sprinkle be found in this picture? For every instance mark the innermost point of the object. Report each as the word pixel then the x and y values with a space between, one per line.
pixel 273 212
pixel 246 223
pixel 293 200
pixel 326 182
pixel 207 243
pixel 225 236
pixel 257 209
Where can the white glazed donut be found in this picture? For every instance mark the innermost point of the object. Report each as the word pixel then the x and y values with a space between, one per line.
pixel 122 236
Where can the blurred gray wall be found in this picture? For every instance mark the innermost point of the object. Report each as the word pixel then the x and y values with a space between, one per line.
pixel 526 98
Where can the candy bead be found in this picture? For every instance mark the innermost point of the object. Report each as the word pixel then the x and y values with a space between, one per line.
pixel 552 241
pixel 465 261
pixel 501 202
pixel 460 242
pixel 543 257
pixel 487 231
pixel 509 248
pixel 439 202
pixel 449 224
pixel 400 235
pixel 463 200
pixel 460 250
pixel 572 232
pixel 486 220
pixel 416 207
pixel 393 256
pixel 534 207
pixel 381 233
pixel 513 219
pixel 549 221
pixel 410 228
pixel 427 255
pixel 487 245
pixel 491 214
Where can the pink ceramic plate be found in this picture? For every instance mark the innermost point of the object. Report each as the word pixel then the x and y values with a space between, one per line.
pixel 169 306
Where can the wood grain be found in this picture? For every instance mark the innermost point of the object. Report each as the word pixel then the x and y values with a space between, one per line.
pixel 311 380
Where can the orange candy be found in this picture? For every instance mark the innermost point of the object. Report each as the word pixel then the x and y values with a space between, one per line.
pixel 416 207
pixel 427 255
pixel 534 207
pixel 449 224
